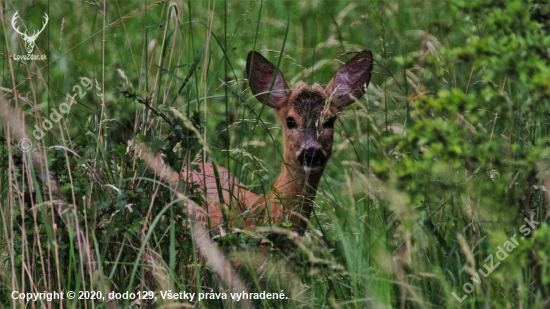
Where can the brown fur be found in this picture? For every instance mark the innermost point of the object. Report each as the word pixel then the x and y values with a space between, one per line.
pixel 296 187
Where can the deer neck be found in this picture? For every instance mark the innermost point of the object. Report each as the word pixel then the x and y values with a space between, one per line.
pixel 293 194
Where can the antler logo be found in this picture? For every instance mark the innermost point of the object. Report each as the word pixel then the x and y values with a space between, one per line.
pixel 29 40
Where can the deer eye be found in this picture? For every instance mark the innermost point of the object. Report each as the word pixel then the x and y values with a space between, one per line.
pixel 329 123
pixel 290 123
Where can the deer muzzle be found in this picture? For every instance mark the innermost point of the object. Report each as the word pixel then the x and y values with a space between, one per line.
pixel 312 159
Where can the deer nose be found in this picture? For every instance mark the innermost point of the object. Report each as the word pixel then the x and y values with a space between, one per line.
pixel 312 157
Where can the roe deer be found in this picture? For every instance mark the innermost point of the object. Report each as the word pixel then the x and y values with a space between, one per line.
pixel 308 115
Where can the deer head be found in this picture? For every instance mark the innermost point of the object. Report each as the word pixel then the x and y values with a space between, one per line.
pixel 29 40
pixel 308 113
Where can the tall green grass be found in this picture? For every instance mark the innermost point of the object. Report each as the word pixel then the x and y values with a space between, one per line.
pixel 434 169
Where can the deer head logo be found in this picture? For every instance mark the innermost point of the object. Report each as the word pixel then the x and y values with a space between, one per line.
pixel 29 40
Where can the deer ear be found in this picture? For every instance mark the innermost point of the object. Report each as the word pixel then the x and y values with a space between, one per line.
pixel 260 74
pixel 351 79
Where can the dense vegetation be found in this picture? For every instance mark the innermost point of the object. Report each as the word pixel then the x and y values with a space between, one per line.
pixel 440 169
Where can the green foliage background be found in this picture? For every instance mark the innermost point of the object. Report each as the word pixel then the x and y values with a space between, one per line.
pixel 432 171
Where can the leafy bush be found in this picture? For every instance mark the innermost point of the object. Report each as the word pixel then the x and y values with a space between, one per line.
pixel 437 170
